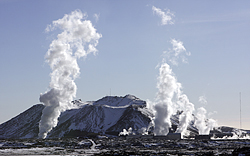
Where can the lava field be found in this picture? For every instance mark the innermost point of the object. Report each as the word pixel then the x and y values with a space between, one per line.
pixel 123 146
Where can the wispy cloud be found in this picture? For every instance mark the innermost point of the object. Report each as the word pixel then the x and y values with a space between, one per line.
pixel 166 17
pixel 177 47
pixel 96 17
pixel 178 51
pixel 203 99
pixel 243 15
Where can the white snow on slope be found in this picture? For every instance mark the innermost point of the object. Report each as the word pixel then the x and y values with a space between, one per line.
pixel 120 101
pixel 97 116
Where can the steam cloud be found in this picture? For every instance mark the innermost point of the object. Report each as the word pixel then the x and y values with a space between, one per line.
pixel 77 39
pixel 170 98
pixel 203 124
pixel 166 17
pixel 187 115
pixel 167 86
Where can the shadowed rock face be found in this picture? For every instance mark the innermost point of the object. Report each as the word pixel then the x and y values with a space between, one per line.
pixel 132 117
pixel 25 125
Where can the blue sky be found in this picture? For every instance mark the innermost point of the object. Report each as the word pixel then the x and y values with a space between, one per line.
pixel 216 33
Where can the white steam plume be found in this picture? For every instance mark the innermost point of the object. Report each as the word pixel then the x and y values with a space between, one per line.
pixel 203 124
pixel 166 17
pixel 164 108
pixel 77 39
pixel 170 97
pixel 187 115
pixel 126 132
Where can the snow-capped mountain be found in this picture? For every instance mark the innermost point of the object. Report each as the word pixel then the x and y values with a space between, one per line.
pixel 109 115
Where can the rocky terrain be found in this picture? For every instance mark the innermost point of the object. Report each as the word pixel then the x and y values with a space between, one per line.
pixel 123 146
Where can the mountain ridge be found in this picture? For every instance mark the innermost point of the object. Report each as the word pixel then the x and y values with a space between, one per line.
pixel 106 116
pixel 99 116
pixel 29 118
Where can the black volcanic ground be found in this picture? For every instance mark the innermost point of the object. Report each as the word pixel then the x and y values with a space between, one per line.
pixel 123 146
